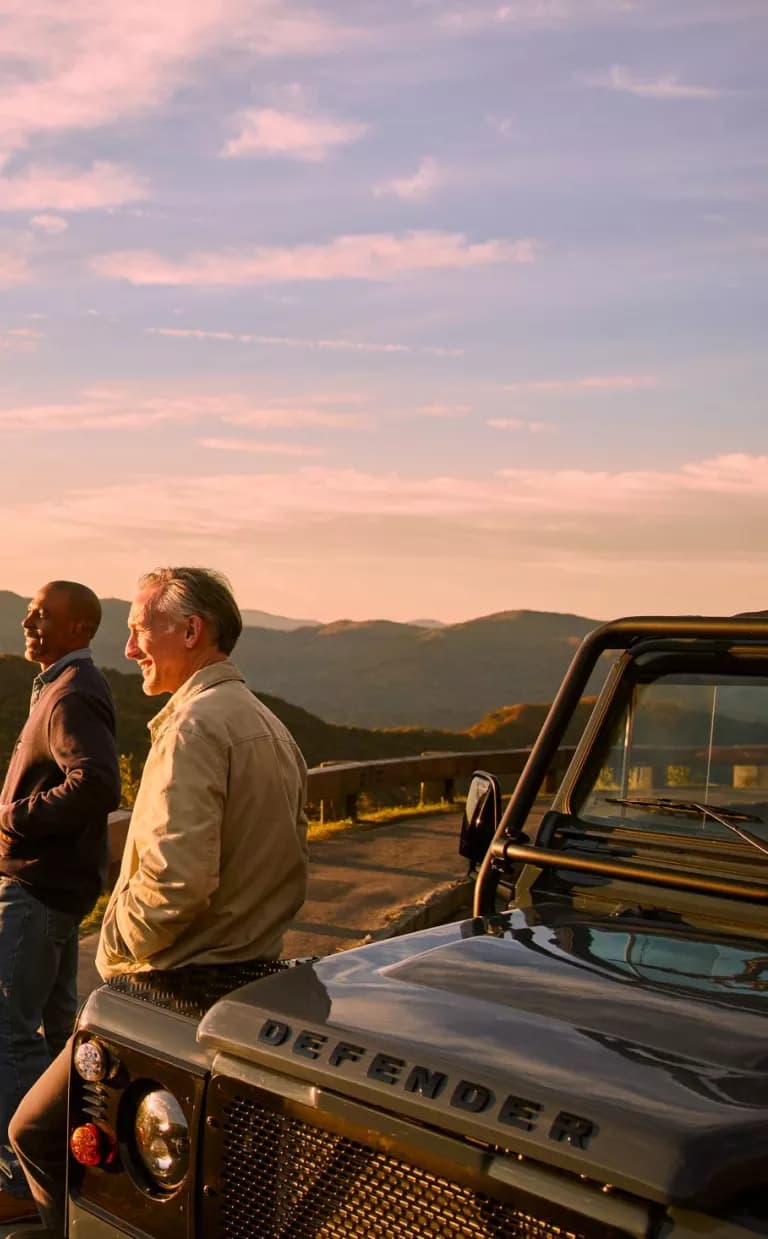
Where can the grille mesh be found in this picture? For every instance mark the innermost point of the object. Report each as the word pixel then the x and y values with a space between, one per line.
pixel 193 989
pixel 280 1178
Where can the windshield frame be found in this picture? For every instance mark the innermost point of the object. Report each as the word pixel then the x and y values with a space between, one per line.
pixel 689 638
pixel 635 670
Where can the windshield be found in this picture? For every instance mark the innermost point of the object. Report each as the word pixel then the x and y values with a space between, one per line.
pixel 686 752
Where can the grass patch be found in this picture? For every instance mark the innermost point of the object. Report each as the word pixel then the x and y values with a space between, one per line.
pixel 324 830
pixel 395 812
pixel 93 920
pixel 379 817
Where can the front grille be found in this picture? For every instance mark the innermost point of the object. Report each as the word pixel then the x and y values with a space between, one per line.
pixel 274 1176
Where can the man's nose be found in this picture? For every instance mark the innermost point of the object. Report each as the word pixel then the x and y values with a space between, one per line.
pixel 26 622
pixel 131 648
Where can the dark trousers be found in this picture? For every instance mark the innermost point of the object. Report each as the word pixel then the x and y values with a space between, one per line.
pixel 38 988
pixel 38 1134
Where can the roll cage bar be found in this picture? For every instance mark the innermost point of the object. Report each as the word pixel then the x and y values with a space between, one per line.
pixel 619 635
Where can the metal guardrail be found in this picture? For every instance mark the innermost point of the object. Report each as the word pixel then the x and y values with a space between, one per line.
pixel 342 782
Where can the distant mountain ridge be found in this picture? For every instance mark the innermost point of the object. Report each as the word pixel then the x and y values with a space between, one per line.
pixel 283 623
pixel 379 673
pixel 513 727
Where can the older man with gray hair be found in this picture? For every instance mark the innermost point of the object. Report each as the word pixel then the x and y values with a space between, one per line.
pixel 215 863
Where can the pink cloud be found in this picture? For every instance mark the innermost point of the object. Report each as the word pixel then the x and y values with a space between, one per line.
pixel 223 504
pixel 737 474
pixel 108 409
pixel 254 446
pixel 356 346
pixel 427 177
pixel 447 411
pixel 597 543
pixel 620 78
pixel 267 132
pixel 50 224
pixel 20 340
pixel 594 382
pixel 464 18
pixel 86 65
pixel 515 423
pixel 365 256
pixel 67 189
pixel 284 416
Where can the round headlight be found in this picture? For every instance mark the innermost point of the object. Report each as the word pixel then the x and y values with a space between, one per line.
pixel 161 1133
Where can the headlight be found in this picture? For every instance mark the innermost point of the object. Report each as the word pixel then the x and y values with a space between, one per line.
pixel 161 1133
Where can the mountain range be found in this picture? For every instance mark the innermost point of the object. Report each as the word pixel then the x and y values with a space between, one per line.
pixel 284 623
pixel 513 727
pixel 378 674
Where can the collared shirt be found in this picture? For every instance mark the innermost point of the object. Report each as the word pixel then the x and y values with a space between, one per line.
pixel 43 678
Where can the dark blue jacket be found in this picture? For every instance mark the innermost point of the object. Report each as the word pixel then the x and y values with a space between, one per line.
pixel 63 780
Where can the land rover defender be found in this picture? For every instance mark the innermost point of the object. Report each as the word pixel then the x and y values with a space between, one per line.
pixel 585 1057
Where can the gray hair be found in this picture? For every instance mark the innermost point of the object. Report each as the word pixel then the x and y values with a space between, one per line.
pixel 197 591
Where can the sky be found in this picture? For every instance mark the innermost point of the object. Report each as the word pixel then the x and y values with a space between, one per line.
pixel 416 309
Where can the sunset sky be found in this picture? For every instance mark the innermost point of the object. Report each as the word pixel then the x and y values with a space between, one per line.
pixel 388 310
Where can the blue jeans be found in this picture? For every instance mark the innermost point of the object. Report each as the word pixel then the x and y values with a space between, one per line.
pixel 38 1002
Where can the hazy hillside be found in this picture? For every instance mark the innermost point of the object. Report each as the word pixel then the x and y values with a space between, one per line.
pixel 265 619
pixel 390 675
pixel 378 673
pixel 512 727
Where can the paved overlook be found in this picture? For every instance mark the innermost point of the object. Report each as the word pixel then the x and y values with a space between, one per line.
pixel 361 881
pixel 368 881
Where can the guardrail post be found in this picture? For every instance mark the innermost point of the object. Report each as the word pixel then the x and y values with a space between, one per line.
pixel 432 790
pixel 641 778
pixel 750 776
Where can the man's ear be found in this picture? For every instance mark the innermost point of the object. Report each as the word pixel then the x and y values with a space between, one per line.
pixel 194 631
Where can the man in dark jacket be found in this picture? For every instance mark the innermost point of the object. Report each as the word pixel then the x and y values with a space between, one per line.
pixel 62 781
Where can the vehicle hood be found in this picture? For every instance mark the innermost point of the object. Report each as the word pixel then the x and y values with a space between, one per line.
pixel 635 1055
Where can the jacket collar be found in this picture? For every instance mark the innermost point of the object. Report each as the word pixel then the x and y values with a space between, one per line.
pixel 206 677
pixel 55 669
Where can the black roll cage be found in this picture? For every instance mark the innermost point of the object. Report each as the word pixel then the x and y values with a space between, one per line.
pixel 618 635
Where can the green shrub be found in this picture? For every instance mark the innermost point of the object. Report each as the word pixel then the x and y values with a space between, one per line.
pixel 130 777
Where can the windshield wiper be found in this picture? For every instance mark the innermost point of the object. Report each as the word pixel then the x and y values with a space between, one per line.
pixel 679 806
pixel 725 817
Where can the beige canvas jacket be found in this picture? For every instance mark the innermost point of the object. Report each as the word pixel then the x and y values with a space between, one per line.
pixel 215 863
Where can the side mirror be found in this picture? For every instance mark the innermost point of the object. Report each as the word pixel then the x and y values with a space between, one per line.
pixel 481 817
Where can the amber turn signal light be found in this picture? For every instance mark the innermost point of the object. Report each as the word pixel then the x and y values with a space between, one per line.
pixel 89 1146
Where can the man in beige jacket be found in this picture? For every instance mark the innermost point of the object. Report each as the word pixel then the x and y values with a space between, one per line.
pixel 215 863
